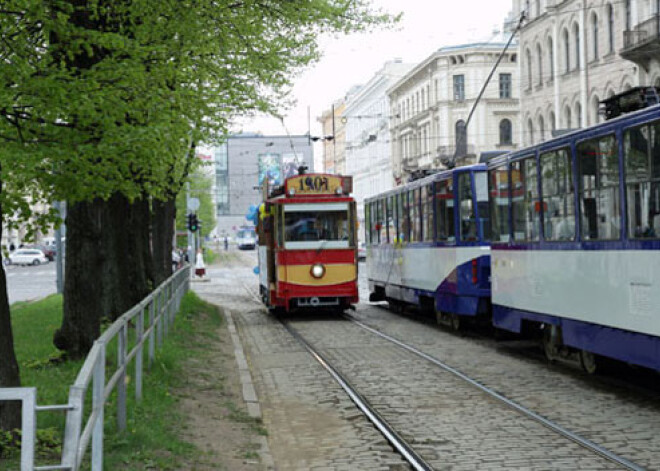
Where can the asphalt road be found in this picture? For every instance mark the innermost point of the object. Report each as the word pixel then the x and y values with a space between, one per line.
pixel 30 282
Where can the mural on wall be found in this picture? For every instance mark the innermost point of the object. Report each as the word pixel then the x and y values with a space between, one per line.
pixel 269 168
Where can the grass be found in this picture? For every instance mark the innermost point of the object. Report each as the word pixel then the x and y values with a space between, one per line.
pixel 150 440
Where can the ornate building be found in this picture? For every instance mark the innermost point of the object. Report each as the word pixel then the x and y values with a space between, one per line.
pixel 575 53
pixel 430 107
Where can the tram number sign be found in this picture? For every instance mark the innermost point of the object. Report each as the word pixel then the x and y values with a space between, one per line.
pixel 314 184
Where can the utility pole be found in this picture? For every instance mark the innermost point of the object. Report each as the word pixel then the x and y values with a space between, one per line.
pixel 59 255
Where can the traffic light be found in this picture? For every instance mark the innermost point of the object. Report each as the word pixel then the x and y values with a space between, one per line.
pixel 193 224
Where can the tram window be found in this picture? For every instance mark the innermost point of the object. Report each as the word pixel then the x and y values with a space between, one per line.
pixel 483 210
pixel 444 211
pixel 374 230
pixel 381 222
pixel 642 163
pixel 427 212
pixel 415 219
pixel 466 212
pixel 499 203
pixel 389 219
pixel 525 201
pixel 317 225
pixel 367 223
pixel 557 190
pixel 598 167
pixel 402 217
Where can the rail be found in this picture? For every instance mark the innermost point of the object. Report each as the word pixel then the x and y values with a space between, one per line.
pixel 159 308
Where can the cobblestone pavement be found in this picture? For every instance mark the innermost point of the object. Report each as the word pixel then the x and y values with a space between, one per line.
pixel 621 419
pixel 313 425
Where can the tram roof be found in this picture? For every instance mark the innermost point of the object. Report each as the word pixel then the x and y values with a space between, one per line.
pixel 441 175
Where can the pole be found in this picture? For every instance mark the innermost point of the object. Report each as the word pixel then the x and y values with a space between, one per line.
pixel 59 256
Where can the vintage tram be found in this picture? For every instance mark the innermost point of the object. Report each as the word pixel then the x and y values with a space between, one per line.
pixel 308 244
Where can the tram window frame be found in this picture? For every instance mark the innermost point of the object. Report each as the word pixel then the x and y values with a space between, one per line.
pixel 389 218
pixel 642 183
pixel 427 213
pixel 467 232
pixel 415 216
pixel 594 222
pixel 499 214
pixel 480 180
pixel 558 195
pixel 526 211
pixel 444 211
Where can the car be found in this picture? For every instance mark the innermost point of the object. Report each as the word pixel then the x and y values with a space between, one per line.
pixel 49 250
pixel 26 256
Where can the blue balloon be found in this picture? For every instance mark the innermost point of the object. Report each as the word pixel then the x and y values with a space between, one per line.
pixel 256 270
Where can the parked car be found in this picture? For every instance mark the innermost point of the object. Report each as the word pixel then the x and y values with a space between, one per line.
pixel 27 257
pixel 49 250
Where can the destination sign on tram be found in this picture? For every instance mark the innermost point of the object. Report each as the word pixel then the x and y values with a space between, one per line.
pixel 315 185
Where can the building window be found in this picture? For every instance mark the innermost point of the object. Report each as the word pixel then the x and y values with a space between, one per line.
pixel 576 33
pixel 594 34
pixel 567 52
pixel 528 56
pixel 541 129
pixel 538 7
pixel 505 85
pixel 506 133
pixel 551 57
pixel 610 27
pixel 539 56
pixel 628 16
pixel 530 130
pixel 459 87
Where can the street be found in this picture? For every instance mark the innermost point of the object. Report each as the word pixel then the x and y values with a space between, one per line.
pixel 27 283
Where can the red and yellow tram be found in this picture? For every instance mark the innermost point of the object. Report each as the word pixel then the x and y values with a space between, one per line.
pixel 308 244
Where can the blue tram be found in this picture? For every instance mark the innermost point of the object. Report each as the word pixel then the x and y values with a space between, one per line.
pixel 428 244
pixel 576 241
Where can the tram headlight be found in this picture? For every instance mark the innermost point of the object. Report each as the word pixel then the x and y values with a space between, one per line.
pixel 317 270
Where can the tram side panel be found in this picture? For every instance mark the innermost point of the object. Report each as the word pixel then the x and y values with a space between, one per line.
pixel 605 301
pixel 456 278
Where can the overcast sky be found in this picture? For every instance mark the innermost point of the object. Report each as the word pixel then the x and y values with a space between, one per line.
pixel 426 26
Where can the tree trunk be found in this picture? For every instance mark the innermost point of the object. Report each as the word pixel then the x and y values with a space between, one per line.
pixel 83 280
pixel 127 234
pixel 162 235
pixel 10 412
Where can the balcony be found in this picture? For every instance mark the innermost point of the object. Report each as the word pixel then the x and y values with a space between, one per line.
pixel 641 44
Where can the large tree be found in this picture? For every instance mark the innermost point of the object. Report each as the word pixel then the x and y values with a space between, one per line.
pixel 100 100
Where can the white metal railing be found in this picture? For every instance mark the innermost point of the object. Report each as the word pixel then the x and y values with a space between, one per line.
pixel 160 306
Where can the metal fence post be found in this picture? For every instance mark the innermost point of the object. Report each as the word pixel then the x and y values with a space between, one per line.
pixel 166 311
pixel 122 340
pixel 138 358
pixel 152 333
pixel 98 403
pixel 73 427
pixel 29 428
pixel 159 314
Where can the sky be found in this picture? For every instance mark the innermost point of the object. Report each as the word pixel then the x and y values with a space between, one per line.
pixel 426 26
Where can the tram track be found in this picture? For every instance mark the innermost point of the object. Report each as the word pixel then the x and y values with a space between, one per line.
pixel 406 450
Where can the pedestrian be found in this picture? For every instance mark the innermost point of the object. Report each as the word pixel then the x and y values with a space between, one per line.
pixel 200 268
pixel 12 247
pixel 226 243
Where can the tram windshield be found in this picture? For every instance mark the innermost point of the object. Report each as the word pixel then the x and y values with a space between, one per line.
pixel 311 226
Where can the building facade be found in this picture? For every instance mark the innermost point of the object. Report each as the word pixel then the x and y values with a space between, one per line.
pixel 430 106
pixel 575 53
pixel 241 165
pixel 366 121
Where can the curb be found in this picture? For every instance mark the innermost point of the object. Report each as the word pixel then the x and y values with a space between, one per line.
pixel 249 393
